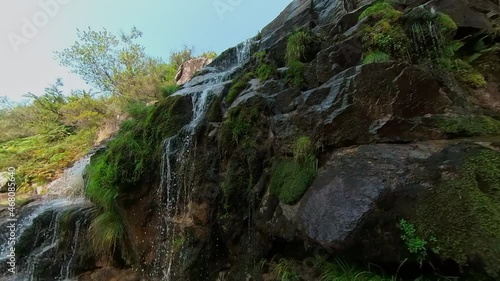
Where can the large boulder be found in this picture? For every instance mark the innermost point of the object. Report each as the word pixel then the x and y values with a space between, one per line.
pixel 187 70
pixel 448 190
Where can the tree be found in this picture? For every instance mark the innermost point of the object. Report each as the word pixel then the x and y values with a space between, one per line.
pixel 177 58
pixel 118 66
pixel 95 58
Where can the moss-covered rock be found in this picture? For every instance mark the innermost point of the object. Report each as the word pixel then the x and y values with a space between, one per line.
pixel 290 180
pixel 469 125
pixel 462 211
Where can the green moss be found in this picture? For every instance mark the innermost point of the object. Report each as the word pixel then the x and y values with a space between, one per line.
pixel 373 57
pixel 290 180
pixel 238 86
pixel 381 10
pixel 463 211
pixel 265 71
pixel 294 74
pixel 469 125
pixel 214 113
pixel 472 77
pixel 464 72
pixel 386 36
pixel 240 126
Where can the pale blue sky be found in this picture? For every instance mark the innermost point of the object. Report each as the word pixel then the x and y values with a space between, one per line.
pixel 167 25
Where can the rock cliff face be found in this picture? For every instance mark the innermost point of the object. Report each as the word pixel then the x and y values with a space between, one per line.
pixel 348 128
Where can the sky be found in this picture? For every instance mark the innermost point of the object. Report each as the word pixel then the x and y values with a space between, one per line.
pixel 32 30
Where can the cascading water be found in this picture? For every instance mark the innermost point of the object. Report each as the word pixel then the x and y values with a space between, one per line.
pixel 39 230
pixel 179 150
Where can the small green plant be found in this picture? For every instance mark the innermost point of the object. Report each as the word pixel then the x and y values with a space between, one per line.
pixel 106 231
pixel 446 25
pixel 209 55
pixel 259 56
pixel 290 180
pixel 303 150
pixel 373 57
pixel 168 90
pixel 284 271
pixel 294 74
pixel 265 71
pixel 388 37
pixel 238 127
pixel 297 45
pixel 414 243
pixel 238 86
pixel 178 242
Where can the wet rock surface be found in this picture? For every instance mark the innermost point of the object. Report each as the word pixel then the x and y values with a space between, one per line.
pixel 390 141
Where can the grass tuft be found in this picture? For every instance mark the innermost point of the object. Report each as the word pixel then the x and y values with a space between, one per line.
pixel 374 57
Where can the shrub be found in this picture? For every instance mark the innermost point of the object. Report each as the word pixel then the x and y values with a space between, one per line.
pixel 373 57
pixel 294 74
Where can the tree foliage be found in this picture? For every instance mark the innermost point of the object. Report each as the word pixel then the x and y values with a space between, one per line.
pixel 116 65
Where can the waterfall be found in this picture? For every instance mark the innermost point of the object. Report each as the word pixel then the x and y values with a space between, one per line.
pixel 175 186
pixel 39 228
